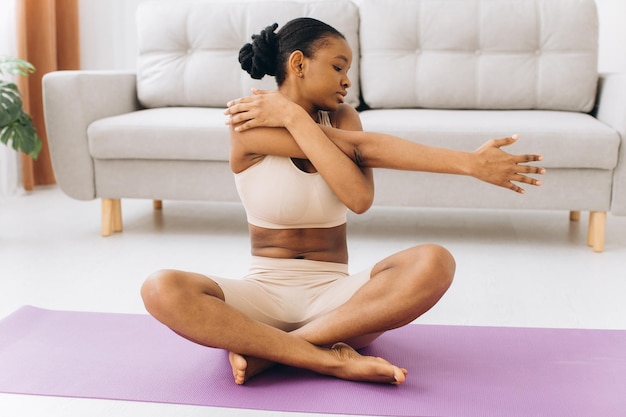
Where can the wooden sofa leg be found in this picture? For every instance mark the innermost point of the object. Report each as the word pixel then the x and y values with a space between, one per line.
pixel 574 216
pixel 111 216
pixel 117 215
pixel 597 230
pixel 157 204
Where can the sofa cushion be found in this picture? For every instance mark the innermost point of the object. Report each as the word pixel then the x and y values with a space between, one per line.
pixel 565 139
pixel 479 54
pixel 174 133
pixel 188 51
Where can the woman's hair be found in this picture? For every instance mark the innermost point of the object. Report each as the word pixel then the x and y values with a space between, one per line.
pixel 269 51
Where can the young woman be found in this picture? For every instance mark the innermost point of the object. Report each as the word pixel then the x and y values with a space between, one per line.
pixel 300 160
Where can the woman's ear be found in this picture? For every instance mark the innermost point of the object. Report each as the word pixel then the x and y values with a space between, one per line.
pixel 295 63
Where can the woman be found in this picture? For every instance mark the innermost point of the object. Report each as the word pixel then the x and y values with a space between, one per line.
pixel 300 160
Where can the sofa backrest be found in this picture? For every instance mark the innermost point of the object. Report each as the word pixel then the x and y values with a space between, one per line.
pixel 188 50
pixel 479 54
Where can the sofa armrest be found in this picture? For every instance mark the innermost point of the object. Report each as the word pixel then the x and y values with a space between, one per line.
pixel 611 110
pixel 72 101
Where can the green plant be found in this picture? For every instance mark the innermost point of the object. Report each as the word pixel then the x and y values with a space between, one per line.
pixel 16 127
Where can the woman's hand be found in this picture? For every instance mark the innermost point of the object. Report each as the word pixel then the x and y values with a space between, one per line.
pixel 497 167
pixel 262 109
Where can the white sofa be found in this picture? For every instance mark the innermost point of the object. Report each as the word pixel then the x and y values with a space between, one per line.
pixel 451 73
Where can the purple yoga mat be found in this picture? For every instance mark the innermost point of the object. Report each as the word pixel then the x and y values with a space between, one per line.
pixel 453 370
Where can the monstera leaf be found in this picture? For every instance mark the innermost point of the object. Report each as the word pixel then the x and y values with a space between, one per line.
pixel 16 127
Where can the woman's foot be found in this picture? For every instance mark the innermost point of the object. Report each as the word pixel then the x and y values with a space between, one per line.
pixel 245 368
pixel 355 367
pixel 348 364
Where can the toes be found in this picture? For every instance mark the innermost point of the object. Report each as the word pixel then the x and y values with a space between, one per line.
pixel 399 376
pixel 239 365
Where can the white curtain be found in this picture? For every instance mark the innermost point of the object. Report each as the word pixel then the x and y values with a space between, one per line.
pixel 10 181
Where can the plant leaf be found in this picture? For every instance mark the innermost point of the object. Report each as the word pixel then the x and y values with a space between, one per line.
pixel 15 66
pixel 22 136
pixel 10 103
pixel 16 127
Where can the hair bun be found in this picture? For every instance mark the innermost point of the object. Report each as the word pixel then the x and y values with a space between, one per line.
pixel 261 56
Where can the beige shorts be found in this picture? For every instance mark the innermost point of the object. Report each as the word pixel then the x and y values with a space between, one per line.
pixel 288 293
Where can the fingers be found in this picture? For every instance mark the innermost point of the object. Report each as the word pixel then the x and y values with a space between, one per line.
pixel 498 143
pixel 515 188
pixel 524 179
pixel 239 111
pixel 520 159
pixel 243 127
pixel 238 102
pixel 236 118
pixel 250 124
pixel 232 108
pixel 520 177
pixel 530 169
pixel 239 117
pixel 506 169
pixel 527 180
pixel 245 108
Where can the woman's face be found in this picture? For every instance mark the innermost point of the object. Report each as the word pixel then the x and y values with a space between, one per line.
pixel 325 75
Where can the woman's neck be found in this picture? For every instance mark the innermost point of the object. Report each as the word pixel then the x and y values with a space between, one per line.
pixel 295 96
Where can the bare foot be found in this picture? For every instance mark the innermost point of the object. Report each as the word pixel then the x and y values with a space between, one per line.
pixel 356 367
pixel 348 364
pixel 245 368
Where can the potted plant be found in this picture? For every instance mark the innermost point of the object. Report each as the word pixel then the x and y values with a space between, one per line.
pixel 16 127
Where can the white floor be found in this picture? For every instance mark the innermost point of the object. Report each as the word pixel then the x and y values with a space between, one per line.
pixel 513 268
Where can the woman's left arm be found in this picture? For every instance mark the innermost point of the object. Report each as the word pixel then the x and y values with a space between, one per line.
pixel 303 137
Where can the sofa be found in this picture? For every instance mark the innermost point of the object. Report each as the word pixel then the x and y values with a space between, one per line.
pixel 449 73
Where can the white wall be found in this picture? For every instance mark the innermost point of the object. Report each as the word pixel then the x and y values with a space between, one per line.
pixel 108 39
pixel 107 34
pixel 612 53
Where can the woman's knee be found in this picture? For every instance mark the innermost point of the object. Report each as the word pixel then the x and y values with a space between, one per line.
pixel 443 262
pixel 160 288
pixel 169 289
pixel 434 264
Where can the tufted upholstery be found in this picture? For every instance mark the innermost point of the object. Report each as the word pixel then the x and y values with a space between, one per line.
pixel 479 54
pixel 183 50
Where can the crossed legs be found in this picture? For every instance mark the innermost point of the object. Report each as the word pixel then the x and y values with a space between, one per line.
pixel 401 288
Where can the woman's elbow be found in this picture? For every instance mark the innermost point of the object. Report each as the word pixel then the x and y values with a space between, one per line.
pixel 362 204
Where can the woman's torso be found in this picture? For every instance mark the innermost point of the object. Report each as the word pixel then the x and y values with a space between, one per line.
pixel 291 212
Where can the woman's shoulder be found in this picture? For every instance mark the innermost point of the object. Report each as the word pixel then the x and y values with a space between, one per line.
pixel 346 117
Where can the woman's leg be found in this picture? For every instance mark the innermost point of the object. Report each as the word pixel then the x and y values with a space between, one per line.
pixel 402 287
pixel 193 306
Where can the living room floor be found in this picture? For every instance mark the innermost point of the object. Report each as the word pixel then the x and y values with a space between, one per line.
pixel 514 268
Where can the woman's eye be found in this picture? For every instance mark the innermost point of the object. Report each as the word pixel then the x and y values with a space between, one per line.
pixel 337 68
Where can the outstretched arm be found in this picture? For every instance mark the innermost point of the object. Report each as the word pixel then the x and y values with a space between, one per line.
pixel 488 163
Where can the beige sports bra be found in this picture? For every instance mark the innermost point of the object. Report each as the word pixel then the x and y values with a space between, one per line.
pixel 276 194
